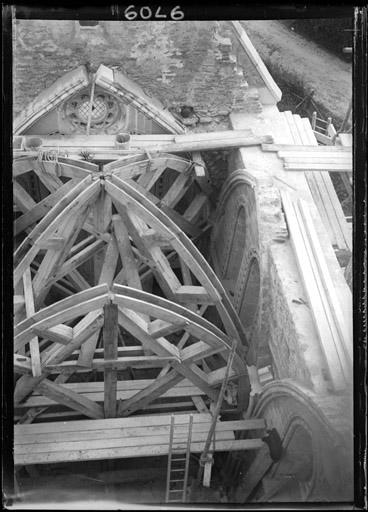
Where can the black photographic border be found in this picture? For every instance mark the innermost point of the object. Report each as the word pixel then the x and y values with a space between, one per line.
pixel 203 11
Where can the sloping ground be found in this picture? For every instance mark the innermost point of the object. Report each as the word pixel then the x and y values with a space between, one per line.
pixel 305 64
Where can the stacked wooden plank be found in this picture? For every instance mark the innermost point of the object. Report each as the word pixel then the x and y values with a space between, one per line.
pixel 314 158
pixel 142 436
pixel 317 161
pixel 333 327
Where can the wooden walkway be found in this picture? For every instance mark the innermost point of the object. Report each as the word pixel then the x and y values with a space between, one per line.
pixel 115 438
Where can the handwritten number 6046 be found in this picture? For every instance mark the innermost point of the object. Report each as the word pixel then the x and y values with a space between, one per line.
pixel 146 13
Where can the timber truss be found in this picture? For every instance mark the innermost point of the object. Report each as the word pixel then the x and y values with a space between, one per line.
pixel 110 287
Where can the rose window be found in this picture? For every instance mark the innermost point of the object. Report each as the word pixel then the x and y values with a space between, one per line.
pixel 105 112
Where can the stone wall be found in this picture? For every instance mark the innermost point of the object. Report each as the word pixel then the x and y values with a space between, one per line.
pixel 181 63
pixel 284 325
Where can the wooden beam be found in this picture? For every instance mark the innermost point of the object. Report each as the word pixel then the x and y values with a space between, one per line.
pixel 65 345
pixel 193 211
pixel 320 166
pixel 126 254
pixel 160 346
pixel 69 398
pixel 87 327
pixel 256 60
pixel 178 189
pixel 159 327
pixel 187 251
pixel 309 264
pixel 90 107
pixel 62 334
pixel 74 261
pixel 23 164
pixel 106 423
pixel 49 179
pixel 21 198
pixel 219 141
pixel 341 318
pixel 206 468
pixel 78 198
pixel 106 276
pixel 199 404
pixel 30 309
pixel 123 441
pixel 62 305
pixel 125 389
pixel 169 311
pixel 121 363
pixel 50 435
pixel 110 339
pixel 106 144
pixel 33 413
pixel 42 208
pixel 194 374
pixel 189 294
pixel 141 399
pixel 116 452
pixel 54 258
pixel 153 172
pixel 302 156
pixel 305 147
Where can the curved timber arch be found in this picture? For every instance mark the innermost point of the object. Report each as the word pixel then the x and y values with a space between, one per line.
pixel 178 340
pixel 169 181
pixel 150 229
pixel 102 214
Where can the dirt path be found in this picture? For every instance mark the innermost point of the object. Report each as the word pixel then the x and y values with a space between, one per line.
pixel 291 56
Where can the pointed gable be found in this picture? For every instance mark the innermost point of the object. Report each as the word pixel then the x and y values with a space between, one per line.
pixel 118 105
pixel 132 94
pixel 50 98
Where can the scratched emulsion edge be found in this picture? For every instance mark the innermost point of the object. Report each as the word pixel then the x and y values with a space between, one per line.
pixel 8 14
pixel 360 139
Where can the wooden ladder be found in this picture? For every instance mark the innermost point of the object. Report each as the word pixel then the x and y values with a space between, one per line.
pixel 178 465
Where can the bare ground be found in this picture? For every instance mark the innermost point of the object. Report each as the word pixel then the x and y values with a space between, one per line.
pixel 306 65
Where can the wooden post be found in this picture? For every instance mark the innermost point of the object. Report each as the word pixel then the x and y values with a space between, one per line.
pixel 30 309
pixel 110 338
pixel 214 418
pixel 90 107
pixel 347 115
pixel 314 120
pixel 329 122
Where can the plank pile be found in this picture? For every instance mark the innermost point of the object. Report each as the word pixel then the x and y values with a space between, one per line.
pixel 306 156
pixel 333 325
pixel 313 158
